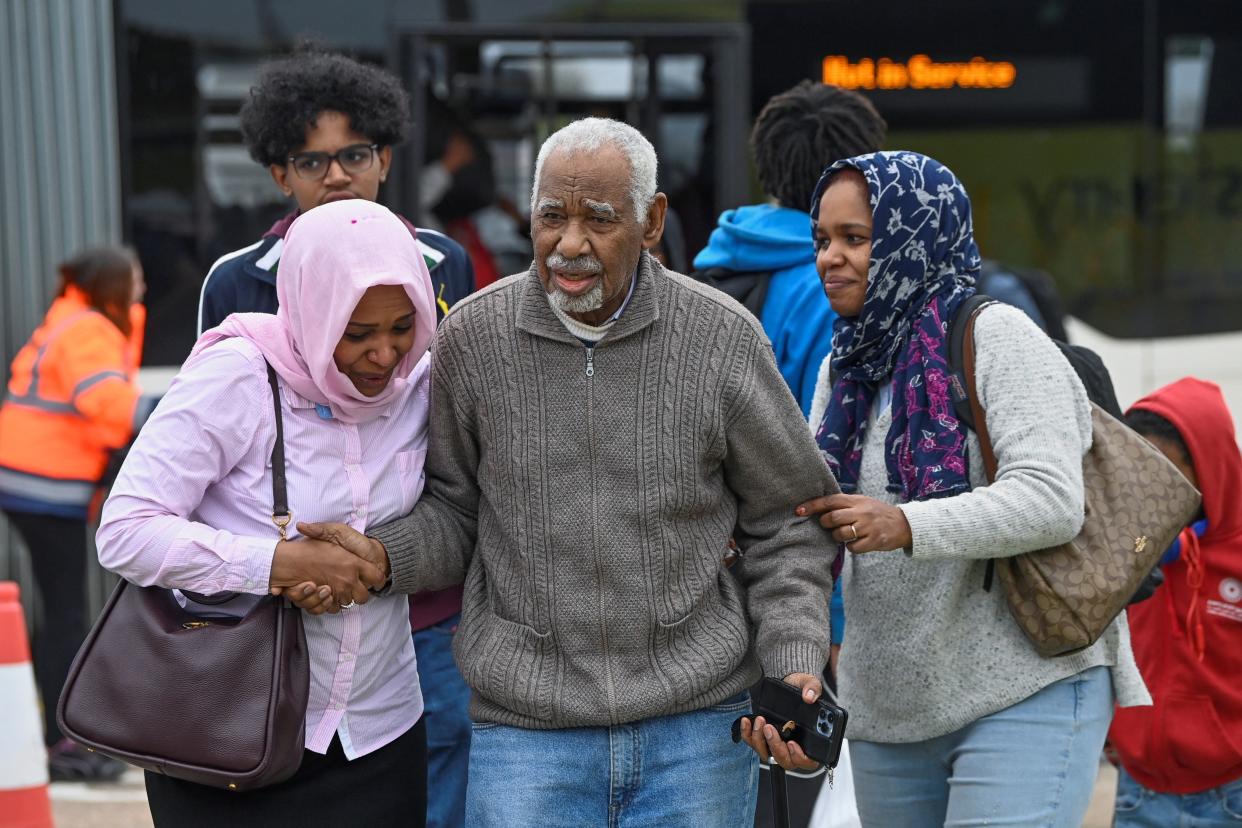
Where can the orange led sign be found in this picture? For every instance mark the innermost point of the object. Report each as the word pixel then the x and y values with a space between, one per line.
pixel 919 72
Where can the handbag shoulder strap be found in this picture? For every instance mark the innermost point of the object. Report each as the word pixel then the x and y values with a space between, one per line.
pixel 281 515
pixel 957 375
pixel 978 415
pixel 280 498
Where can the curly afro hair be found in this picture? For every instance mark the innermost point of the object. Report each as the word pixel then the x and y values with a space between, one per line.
pixel 806 128
pixel 291 93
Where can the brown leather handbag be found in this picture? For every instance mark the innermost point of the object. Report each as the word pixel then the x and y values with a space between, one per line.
pixel 1065 597
pixel 210 699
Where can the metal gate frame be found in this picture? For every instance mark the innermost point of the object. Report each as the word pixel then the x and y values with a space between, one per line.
pixel 730 51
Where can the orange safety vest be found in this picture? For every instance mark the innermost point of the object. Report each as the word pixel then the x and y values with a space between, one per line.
pixel 72 399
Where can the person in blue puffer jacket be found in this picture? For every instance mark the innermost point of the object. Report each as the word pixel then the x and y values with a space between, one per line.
pixel 762 254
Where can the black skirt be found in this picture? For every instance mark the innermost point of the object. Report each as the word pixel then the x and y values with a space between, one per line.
pixel 384 789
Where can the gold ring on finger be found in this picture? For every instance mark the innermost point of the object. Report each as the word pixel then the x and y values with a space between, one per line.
pixel 854 531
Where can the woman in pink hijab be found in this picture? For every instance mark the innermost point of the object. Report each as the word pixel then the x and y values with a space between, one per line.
pixel 192 507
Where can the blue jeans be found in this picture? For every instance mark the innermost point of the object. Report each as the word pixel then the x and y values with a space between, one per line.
pixel 1031 764
pixel 1140 807
pixel 680 771
pixel 446 699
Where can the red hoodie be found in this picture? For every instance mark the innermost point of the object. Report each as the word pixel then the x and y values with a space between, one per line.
pixel 1188 636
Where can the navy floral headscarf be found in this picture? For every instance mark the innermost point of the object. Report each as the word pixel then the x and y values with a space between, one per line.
pixel 923 266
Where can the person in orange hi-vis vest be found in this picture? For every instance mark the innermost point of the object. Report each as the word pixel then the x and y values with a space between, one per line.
pixel 72 400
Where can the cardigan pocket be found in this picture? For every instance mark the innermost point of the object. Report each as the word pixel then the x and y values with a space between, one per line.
pixel 511 663
pixel 705 646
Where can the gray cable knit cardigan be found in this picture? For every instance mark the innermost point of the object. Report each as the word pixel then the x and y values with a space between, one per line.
pixel 926 650
pixel 586 496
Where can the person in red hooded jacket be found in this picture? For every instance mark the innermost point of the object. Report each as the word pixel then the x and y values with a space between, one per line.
pixel 1181 759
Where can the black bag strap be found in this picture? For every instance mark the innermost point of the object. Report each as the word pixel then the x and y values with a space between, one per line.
pixel 750 287
pixel 280 497
pixel 960 382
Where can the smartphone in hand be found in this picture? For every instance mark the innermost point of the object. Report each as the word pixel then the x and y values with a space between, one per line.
pixel 818 728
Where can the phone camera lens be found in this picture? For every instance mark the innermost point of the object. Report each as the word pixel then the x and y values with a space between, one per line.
pixel 823 724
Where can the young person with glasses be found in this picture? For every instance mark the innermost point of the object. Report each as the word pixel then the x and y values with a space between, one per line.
pixel 324 125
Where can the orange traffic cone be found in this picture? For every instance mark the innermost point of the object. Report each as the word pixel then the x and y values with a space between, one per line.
pixel 24 801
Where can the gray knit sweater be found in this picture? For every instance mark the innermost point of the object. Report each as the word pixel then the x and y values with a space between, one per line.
pixel 926 649
pixel 586 496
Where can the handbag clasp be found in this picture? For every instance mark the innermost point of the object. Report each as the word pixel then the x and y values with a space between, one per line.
pixel 282 523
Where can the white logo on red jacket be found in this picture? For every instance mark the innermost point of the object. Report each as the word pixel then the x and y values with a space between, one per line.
pixel 1231 591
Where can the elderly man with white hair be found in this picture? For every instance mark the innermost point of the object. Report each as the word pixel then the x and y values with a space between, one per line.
pixel 600 428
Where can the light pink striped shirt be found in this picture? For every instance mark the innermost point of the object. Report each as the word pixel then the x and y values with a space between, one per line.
pixel 192 509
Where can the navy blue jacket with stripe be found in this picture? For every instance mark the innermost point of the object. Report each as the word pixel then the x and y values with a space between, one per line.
pixel 244 281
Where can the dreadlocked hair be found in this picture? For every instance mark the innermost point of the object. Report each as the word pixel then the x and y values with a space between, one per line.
pixel 804 129
pixel 291 92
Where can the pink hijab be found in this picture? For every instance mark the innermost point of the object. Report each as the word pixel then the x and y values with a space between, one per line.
pixel 332 254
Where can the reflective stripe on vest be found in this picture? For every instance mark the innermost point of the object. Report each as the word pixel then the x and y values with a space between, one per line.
pixel 46 489
pixel 31 398
pixel 31 401
pixel 93 380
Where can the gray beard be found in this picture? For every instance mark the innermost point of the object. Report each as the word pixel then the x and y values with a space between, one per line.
pixel 592 300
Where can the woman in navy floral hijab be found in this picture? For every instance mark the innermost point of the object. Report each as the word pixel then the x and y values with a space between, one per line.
pixel 955 718
pixel 922 266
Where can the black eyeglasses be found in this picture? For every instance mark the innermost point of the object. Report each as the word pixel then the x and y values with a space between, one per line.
pixel 354 159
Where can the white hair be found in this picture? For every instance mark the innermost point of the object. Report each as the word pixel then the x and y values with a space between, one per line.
pixel 590 135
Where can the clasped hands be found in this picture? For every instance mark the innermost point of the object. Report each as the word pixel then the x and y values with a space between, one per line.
pixel 330 567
